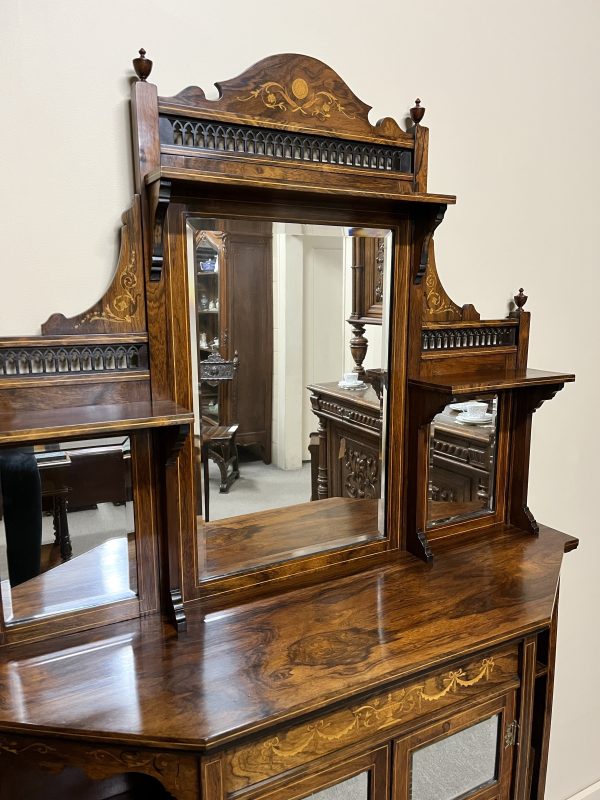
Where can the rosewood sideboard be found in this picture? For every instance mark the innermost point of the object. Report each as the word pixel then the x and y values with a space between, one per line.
pixel 393 638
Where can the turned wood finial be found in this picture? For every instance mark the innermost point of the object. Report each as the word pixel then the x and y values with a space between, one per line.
pixel 142 65
pixel 520 299
pixel 417 112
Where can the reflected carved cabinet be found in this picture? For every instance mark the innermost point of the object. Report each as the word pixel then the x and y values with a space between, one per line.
pixel 392 639
pixel 348 455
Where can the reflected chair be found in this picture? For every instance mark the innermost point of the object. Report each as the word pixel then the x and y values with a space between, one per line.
pixel 218 441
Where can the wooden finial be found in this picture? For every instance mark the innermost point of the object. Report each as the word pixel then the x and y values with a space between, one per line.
pixel 417 113
pixel 520 299
pixel 142 65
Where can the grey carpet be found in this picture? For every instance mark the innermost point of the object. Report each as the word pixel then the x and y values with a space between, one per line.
pixel 259 487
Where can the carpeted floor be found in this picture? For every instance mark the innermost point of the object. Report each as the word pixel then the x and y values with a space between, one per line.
pixel 259 487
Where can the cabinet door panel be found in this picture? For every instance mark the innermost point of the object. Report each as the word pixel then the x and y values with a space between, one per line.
pixel 356 788
pixel 356 777
pixel 458 764
pixel 465 756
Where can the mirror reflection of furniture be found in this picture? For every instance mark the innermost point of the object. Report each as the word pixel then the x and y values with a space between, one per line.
pixel 462 461
pixel 218 442
pixel 232 279
pixel 350 446
pixel 368 268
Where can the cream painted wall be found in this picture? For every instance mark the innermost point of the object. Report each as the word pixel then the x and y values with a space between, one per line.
pixel 511 91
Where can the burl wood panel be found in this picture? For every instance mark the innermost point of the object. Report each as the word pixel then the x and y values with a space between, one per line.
pixel 291 747
pixel 123 307
pixel 296 653
pixel 292 92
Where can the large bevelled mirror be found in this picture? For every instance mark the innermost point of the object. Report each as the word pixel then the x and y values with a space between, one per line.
pixel 67 528
pixel 288 324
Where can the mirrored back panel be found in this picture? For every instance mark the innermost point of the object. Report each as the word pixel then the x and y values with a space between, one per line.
pixel 289 325
pixel 463 442
pixel 67 527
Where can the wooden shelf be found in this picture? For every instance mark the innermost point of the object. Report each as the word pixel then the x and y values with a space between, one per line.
pixel 58 423
pixel 459 384
pixel 510 594
pixel 185 176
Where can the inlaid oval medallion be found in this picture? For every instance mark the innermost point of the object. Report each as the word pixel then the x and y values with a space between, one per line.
pixel 299 88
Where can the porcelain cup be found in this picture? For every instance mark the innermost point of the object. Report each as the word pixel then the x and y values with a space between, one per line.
pixel 350 377
pixel 476 409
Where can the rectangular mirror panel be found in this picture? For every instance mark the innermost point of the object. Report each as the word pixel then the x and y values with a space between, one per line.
pixel 289 331
pixel 457 765
pixel 356 788
pixel 67 530
pixel 462 461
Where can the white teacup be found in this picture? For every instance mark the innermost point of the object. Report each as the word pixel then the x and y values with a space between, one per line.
pixel 351 377
pixel 476 409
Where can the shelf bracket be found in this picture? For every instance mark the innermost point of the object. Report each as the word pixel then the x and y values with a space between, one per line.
pixel 424 229
pixel 160 197
pixel 526 403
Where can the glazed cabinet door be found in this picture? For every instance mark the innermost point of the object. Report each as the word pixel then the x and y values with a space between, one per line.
pixel 468 756
pixel 356 777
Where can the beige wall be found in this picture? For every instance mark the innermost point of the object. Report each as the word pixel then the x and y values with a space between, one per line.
pixel 511 91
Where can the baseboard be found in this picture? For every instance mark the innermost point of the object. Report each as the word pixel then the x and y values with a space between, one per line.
pixel 591 793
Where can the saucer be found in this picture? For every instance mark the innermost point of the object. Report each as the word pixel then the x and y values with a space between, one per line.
pixel 467 419
pixel 351 386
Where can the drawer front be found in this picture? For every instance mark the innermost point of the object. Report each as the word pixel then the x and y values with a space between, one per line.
pixel 273 754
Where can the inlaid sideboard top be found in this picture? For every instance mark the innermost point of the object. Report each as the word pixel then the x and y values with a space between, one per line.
pixel 247 668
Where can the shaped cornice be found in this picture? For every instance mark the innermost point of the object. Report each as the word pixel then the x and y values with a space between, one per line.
pixel 291 92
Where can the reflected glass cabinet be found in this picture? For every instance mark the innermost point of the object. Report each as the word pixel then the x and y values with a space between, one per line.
pixel 208 265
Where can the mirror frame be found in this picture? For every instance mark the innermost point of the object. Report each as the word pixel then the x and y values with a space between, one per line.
pixel 484 519
pixel 177 287
pixel 143 477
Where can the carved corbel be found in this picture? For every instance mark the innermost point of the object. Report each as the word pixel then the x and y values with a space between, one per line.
pixel 160 197
pixel 425 227
pixel 526 403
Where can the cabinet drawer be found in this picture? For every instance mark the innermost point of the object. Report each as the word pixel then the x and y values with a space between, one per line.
pixel 288 748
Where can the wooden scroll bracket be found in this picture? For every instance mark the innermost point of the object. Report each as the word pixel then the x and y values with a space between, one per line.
pixel 122 308
pixel 437 305
pixel 159 199
pixel 526 402
pixel 173 441
pixel 423 406
pixel 424 229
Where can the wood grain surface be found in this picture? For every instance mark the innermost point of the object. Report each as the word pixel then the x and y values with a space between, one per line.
pixel 244 669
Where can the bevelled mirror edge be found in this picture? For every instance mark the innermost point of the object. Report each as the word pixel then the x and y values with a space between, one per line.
pixel 211 276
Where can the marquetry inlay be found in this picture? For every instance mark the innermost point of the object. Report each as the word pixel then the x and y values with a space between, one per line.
pixel 258 760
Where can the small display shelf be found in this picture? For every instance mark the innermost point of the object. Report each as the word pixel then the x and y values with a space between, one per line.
pixel 57 423
pixel 465 384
